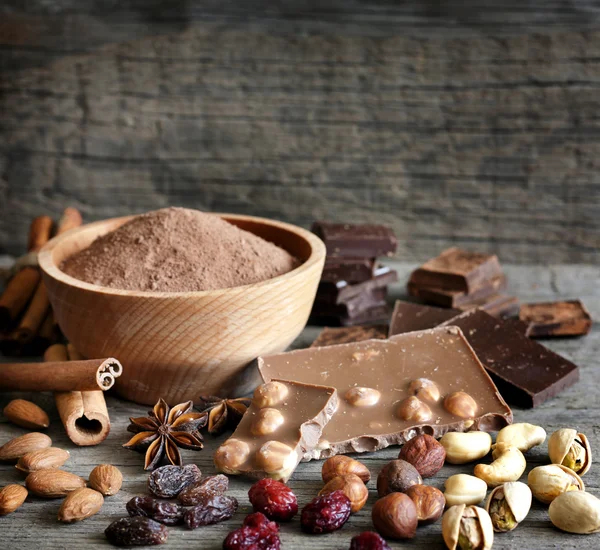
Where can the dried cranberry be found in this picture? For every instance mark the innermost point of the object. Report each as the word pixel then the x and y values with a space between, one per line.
pixel 274 499
pixel 368 540
pixel 257 533
pixel 326 513
pixel 258 520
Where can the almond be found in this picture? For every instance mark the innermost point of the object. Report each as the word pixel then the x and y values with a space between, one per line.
pixel 80 504
pixel 53 483
pixel 42 459
pixel 11 497
pixel 106 479
pixel 26 414
pixel 19 446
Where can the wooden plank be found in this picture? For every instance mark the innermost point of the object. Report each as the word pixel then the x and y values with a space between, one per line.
pixel 481 139
pixel 35 523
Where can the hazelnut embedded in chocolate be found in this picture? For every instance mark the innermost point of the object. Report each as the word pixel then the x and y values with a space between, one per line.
pixel 424 389
pixel 461 404
pixel 396 477
pixel 412 408
pixel 275 457
pixel 231 455
pixel 266 422
pixel 270 394
pixel 362 397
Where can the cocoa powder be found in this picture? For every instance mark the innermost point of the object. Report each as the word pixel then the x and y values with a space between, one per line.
pixel 178 250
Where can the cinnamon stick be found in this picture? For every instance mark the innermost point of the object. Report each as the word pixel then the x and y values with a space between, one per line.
pixel 39 233
pixel 83 414
pixel 70 219
pixel 84 375
pixel 39 306
pixel 16 295
pixel 34 316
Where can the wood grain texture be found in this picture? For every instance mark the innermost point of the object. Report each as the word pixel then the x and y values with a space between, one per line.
pixel 469 123
pixel 35 523
pixel 175 344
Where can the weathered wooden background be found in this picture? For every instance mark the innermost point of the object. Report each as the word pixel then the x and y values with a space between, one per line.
pixel 456 122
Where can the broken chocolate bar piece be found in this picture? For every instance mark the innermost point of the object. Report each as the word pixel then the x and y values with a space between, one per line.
pixel 499 305
pixel 456 269
pixel 343 335
pixel 391 390
pixel 340 292
pixel 351 270
pixel 408 317
pixel 456 298
pixel 375 314
pixel 352 306
pixel 568 318
pixel 356 240
pixel 283 422
pixel 526 373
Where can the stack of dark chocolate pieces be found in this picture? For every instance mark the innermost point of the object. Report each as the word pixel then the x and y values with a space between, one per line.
pixel 353 287
pixel 464 280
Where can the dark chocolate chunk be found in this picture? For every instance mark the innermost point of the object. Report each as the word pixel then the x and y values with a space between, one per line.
pixel 526 373
pixel 456 298
pixel 568 318
pixel 340 292
pixel 375 314
pixel 408 317
pixel 499 305
pixel 353 306
pixel 344 335
pixel 456 269
pixel 351 270
pixel 356 240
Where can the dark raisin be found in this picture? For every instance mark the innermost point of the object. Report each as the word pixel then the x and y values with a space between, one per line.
pixel 215 509
pixel 136 531
pixel 368 540
pixel 257 533
pixel 274 499
pixel 199 492
pixel 169 481
pixel 168 513
pixel 326 513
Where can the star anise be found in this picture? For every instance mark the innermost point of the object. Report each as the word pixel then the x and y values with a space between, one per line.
pixel 223 413
pixel 164 430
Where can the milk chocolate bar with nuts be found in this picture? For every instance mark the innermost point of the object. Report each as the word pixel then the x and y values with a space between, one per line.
pixel 429 382
pixel 343 335
pixel 284 421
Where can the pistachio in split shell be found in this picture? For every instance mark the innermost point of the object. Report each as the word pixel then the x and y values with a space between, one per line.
pixel 521 435
pixel 576 512
pixel 571 449
pixel 463 447
pixel 509 465
pixel 464 489
pixel 508 505
pixel 547 482
pixel 467 528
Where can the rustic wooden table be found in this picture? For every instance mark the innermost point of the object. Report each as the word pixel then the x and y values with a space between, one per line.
pixel 35 524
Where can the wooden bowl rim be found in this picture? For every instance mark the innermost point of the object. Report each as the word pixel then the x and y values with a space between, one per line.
pixel 48 266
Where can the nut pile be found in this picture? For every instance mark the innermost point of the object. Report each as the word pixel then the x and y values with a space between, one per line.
pixel 35 457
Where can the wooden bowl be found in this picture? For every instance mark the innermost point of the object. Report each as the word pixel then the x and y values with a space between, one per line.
pixel 179 345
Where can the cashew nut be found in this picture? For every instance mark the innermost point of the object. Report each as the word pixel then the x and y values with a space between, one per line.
pixel 509 465
pixel 464 489
pixel 522 435
pixel 466 447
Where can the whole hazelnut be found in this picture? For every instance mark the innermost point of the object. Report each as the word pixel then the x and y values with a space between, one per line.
pixel 362 397
pixel 396 477
pixel 352 486
pixel 395 516
pixel 425 453
pixel 267 421
pixel 429 502
pixel 340 465
pixel 460 404
pixel 231 455
pixel 270 394
pixel 277 459
pixel 424 389
pixel 414 410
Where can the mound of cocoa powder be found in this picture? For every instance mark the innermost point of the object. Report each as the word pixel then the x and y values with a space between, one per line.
pixel 178 250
